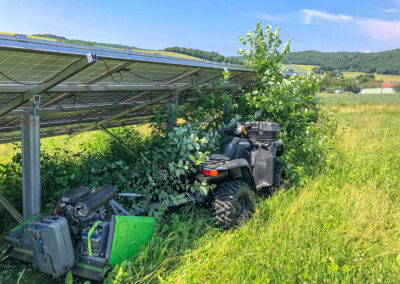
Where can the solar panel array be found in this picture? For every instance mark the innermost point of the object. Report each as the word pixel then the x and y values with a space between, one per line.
pixel 110 88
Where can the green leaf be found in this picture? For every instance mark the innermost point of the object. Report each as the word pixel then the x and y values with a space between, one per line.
pixel 69 279
pixel 204 190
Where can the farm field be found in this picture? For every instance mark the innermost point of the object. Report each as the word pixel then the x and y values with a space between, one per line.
pixel 306 67
pixel 298 68
pixel 385 77
pixel 350 98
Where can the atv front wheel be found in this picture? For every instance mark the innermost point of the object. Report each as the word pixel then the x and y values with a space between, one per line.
pixel 279 175
pixel 233 203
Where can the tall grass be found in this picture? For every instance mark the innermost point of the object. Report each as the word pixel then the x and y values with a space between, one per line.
pixel 342 227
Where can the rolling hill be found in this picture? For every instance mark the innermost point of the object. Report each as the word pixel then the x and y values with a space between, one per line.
pixel 386 62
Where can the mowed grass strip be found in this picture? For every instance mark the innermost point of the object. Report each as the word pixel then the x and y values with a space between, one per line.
pixel 344 226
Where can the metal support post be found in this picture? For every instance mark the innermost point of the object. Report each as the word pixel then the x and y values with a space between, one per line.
pixel 337 98
pixel 30 138
pixel 380 95
pixel 359 96
pixel 172 114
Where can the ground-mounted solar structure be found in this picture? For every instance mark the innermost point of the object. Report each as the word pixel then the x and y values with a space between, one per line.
pixel 50 88
pixel 84 87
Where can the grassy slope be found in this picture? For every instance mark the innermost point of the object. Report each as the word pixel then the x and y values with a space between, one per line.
pixel 343 226
pixel 297 68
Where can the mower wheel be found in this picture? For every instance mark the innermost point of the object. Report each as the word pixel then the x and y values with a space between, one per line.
pixel 233 204
pixel 279 175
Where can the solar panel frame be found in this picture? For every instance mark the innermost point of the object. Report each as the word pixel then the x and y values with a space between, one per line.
pixel 120 80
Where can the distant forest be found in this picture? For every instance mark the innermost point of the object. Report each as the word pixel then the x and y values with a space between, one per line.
pixel 386 62
pixel 208 55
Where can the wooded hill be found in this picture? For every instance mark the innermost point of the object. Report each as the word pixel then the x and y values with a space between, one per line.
pixel 208 55
pixel 386 62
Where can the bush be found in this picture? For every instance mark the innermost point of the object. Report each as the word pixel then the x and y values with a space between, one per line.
pixel 291 101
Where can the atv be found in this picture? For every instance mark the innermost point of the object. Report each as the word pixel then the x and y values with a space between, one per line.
pixel 246 164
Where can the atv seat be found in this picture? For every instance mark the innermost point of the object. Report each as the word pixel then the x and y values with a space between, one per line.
pixel 219 157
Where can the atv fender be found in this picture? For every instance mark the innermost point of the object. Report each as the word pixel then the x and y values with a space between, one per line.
pixel 265 164
pixel 239 169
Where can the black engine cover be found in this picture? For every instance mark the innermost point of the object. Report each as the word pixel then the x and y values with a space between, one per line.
pixel 75 194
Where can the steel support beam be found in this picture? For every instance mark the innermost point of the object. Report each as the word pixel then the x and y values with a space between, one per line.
pixel 107 87
pixel 93 126
pixel 30 138
pixel 117 140
pixel 11 209
pixel 183 76
pixel 68 72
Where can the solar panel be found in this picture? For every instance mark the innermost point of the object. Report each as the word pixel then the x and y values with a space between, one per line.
pixel 83 88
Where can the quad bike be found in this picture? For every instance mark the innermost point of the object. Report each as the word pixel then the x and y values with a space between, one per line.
pixel 247 163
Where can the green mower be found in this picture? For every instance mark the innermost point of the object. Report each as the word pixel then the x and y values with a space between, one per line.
pixel 80 236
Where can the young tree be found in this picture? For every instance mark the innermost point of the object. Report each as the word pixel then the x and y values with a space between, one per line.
pixel 289 101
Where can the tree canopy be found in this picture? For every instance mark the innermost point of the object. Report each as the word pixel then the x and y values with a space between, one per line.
pixel 386 62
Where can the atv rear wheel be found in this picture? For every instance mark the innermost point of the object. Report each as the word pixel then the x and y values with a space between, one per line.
pixel 233 203
pixel 279 175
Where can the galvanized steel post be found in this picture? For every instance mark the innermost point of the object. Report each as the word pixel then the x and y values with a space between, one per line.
pixel 30 138
pixel 172 113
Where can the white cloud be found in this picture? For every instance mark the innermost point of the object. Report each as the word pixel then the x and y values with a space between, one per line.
pixel 379 29
pixel 263 16
pixel 310 14
pixel 392 10
pixel 374 28
pixel 365 50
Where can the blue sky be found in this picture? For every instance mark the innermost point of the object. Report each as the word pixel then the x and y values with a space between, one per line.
pixel 340 25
